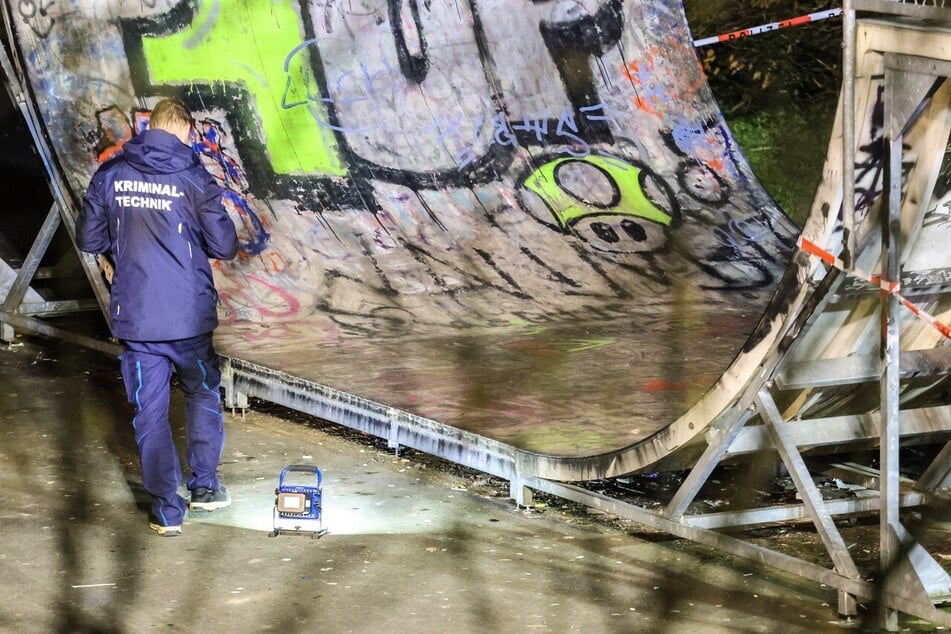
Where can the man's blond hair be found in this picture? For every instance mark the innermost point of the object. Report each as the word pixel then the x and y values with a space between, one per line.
pixel 169 113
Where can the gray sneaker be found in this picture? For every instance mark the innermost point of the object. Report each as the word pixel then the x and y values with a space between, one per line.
pixel 209 499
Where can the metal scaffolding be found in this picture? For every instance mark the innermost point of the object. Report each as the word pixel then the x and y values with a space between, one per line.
pixel 21 307
pixel 909 82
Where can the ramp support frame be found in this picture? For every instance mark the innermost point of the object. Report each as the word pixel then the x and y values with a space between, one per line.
pixel 14 312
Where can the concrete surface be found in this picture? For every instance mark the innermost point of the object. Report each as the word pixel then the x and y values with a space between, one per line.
pixel 415 545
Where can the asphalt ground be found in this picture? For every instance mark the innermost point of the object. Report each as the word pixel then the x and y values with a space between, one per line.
pixel 413 544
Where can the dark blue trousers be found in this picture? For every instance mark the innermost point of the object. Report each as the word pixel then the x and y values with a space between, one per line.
pixel 146 371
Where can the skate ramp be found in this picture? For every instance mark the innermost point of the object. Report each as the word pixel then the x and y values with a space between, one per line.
pixel 526 223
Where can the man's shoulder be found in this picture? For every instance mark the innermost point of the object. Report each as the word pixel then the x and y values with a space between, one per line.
pixel 107 172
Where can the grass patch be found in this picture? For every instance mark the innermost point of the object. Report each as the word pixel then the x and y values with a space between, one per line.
pixel 786 149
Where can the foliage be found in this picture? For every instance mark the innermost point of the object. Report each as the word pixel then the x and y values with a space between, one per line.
pixel 786 150
pixel 797 65
pixel 777 90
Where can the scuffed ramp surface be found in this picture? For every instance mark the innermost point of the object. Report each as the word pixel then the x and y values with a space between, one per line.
pixel 527 220
pixel 569 389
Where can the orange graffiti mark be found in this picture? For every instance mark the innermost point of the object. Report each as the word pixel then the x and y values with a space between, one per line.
pixel 274 261
pixel 645 105
pixel 631 71
pixel 535 348
pixel 114 131
pixel 110 152
pixel 660 78
pixel 660 385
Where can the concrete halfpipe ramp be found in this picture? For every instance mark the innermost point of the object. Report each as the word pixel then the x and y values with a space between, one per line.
pixel 524 221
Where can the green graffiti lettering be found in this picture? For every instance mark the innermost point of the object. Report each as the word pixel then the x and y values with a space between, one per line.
pixel 568 209
pixel 247 42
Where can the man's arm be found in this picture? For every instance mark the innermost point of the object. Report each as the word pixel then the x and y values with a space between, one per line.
pixel 92 231
pixel 221 239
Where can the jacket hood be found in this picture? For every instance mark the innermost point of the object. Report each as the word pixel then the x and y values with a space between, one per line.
pixel 158 152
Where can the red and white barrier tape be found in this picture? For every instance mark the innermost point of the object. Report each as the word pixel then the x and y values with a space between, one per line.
pixel 875 280
pixel 893 288
pixel 765 28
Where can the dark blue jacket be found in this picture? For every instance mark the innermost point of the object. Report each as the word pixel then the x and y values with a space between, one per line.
pixel 158 212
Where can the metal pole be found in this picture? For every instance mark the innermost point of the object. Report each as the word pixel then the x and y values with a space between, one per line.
pixel 889 520
pixel 811 497
pixel 848 133
pixel 938 473
pixel 705 465
pixel 32 262
pixel 40 327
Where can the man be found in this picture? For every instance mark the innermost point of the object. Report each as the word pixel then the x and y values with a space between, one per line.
pixel 158 213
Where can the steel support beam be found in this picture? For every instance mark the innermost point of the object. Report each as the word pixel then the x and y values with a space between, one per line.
pixel 788 513
pixel 40 327
pixel 918 569
pixel 705 465
pixel 848 132
pixel 32 261
pixel 918 282
pixel 889 521
pixel 811 497
pixel 897 599
pixel 938 474
pixel 918 9
pixel 845 430
pixel 58 307
pixel 861 369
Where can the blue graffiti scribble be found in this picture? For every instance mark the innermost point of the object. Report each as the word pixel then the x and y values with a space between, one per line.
pixel 234 185
pixel 259 237
pixel 364 77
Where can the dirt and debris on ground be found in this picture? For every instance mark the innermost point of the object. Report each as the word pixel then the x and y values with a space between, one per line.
pixel 414 543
